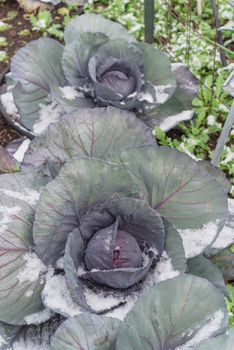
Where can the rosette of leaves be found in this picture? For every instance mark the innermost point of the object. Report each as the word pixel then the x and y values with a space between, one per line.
pixel 101 64
pixel 123 215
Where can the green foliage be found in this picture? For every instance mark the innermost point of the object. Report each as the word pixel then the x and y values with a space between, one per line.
pixel 3 41
pixel 230 304
pixel 43 23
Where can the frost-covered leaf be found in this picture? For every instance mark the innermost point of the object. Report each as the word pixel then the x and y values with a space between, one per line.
pixel 217 173
pixel 7 335
pixel 223 342
pixel 100 24
pixel 8 164
pixel 190 199
pixel 21 271
pixel 86 332
pixel 92 133
pixel 81 184
pixel 36 67
pixel 203 267
pixel 174 247
pixel 176 314
pixel 179 107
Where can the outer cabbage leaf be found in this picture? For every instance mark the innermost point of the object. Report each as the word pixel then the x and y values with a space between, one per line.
pixel 224 342
pixel 21 282
pixel 225 262
pixel 93 133
pixel 181 192
pixel 81 184
pixel 8 334
pixel 179 107
pixel 37 67
pixel 203 267
pixel 100 24
pixel 86 332
pixel 8 164
pixel 174 247
pixel 183 311
pixel 217 174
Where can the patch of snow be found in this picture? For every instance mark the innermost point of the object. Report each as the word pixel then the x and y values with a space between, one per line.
pixel 146 96
pixel 29 345
pixel 211 326
pixel 7 214
pixel 39 317
pixel 29 196
pixel 174 120
pixel 60 263
pixel 161 94
pixel 57 297
pixel 8 103
pixel 176 65
pixel 19 154
pixel 33 269
pixel 70 93
pixel 226 236
pixel 2 341
pixel 196 240
pixel 211 120
pixel 49 113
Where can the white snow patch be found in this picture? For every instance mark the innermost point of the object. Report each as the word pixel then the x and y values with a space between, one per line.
pixel 211 326
pixel 57 297
pixel 8 103
pixel 2 341
pixel 146 96
pixel 29 196
pixel 33 269
pixel 29 345
pixel 174 120
pixel 39 317
pixel 161 94
pixel 7 214
pixel 19 154
pixel 60 263
pixel 70 93
pixel 226 236
pixel 49 113
pixel 196 240
pixel 211 120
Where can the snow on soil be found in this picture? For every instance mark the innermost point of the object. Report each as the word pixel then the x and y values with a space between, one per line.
pixel 39 317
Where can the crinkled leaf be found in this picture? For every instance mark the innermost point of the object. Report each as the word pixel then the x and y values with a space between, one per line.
pixel 179 106
pixel 181 192
pixel 217 173
pixel 174 313
pixel 82 183
pixel 76 56
pixel 93 133
pixel 8 164
pixel 174 247
pixel 86 332
pixel 20 291
pixel 223 342
pixel 202 267
pixel 100 24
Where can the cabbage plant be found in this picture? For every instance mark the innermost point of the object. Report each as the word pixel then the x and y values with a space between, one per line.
pixel 100 65
pixel 108 230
